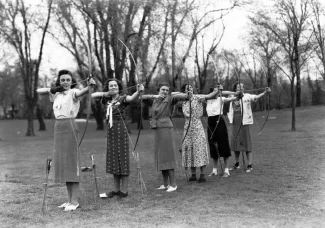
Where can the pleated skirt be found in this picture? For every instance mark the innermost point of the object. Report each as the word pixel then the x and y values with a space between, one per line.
pixel 243 142
pixel 218 137
pixel 117 159
pixel 66 159
pixel 165 149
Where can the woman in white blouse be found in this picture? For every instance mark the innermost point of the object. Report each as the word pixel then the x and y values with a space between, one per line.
pixel 66 104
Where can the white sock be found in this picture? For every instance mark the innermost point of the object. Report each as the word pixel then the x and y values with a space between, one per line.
pixel 226 170
pixel 214 170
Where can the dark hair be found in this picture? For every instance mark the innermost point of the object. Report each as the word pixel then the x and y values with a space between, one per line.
pixel 119 84
pixel 64 72
pixel 162 84
pixel 183 88
pixel 234 88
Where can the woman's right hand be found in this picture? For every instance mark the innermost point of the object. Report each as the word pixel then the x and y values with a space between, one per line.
pixel 109 94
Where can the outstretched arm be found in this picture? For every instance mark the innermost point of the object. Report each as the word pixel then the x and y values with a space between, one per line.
pixel 43 91
pixel 83 91
pixel 267 90
pixel 136 94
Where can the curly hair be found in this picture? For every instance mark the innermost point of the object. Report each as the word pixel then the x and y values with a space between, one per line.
pixel 234 88
pixel 119 84
pixel 64 72
pixel 162 84
pixel 106 89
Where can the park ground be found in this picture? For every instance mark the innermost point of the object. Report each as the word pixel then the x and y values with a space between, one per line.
pixel 285 189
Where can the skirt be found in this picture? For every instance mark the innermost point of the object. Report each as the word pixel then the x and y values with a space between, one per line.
pixel 165 149
pixel 66 157
pixel 218 138
pixel 243 142
pixel 117 159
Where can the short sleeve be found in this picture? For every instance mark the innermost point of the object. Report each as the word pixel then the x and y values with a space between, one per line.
pixel 74 95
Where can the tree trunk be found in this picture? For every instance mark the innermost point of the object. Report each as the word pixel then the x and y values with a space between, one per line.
pixel 30 119
pixel 97 111
pixel 39 115
pixel 293 105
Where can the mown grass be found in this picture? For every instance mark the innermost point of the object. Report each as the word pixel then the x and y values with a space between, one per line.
pixel 285 189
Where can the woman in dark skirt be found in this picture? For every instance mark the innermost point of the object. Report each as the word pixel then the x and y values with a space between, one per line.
pixel 66 103
pixel 217 131
pixel 242 140
pixel 165 148
pixel 117 160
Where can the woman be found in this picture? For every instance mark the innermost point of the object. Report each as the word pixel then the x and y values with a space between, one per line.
pixel 241 139
pixel 117 159
pixel 66 103
pixel 194 146
pixel 217 131
pixel 165 150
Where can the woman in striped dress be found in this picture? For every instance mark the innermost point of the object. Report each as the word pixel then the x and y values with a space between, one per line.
pixel 117 159
pixel 66 103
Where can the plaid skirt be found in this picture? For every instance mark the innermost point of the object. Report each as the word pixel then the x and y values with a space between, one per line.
pixel 66 157
pixel 117 159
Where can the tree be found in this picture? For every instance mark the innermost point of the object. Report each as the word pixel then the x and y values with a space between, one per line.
pixel 17 25
pixel 290 29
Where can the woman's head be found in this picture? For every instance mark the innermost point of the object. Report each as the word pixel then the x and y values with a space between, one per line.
pixel 65 79
pixel 113 85
pixel 186 88
pixel 238 87
pixel 163 88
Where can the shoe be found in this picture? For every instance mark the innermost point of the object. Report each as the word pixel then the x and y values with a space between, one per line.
pixel 213 174
pixel 226 174
pixel 192 179
pixel 112 194
pixel 71 207
pixel 236 166
pixel 64 205
pixel 122 194
pixel 249 169
pixel 202 180
pixel 162 187
pixel 171 189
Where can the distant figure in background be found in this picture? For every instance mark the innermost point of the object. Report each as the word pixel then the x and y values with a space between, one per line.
pixel 66 104
pixel 243 142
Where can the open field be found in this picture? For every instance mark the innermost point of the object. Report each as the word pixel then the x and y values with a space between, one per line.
pixel 285 189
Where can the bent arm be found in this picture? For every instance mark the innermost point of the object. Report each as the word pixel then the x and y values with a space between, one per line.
pixel 229 99
pixel 149 97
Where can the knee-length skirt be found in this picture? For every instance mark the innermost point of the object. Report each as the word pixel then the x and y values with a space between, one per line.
pixel 117 159
pixel 219 142
pixel 243 142
pixel 165 149
pixel 66 157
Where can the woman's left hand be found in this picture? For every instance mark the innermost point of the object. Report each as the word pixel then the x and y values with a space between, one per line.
pixel 268 90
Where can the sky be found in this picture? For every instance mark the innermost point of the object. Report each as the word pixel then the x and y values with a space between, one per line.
pixel 54 56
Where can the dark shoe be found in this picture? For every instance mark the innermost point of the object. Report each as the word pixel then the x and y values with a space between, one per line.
pixel 122 194
pixel 202 179
pixel 112 194
pixel 236 166
pixel 249 168
pixel 192 179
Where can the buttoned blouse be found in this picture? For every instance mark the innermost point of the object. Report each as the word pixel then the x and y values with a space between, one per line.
pixel 65 104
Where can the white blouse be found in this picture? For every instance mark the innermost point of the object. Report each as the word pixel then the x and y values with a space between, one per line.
pixel 213 106
pixel 65 104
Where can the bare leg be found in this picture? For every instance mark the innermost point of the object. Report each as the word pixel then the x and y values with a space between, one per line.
pixel 125 183
pixel 117 180
pixel 225 160
pixel 171 173
pixel 249 157
pixel 74 193
pixel 165 177
pixel 68 184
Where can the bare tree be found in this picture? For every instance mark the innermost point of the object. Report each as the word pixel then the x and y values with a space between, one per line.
pixel 290 30
pixel 17 27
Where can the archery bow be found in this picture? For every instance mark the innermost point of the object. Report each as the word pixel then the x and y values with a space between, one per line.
pixel 89 91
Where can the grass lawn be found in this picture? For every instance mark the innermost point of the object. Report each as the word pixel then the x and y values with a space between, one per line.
pixel 285 189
